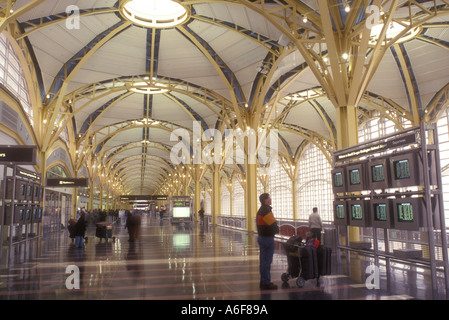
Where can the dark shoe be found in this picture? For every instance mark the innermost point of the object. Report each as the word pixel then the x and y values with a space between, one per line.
pixel 269 286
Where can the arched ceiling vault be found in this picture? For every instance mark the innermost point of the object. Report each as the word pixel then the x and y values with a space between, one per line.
pixel 285 65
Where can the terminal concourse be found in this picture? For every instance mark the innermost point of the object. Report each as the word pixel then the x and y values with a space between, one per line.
pixel 181 113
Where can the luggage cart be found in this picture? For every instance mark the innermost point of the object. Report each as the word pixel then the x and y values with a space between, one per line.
pixel 305 263
pixel 104 231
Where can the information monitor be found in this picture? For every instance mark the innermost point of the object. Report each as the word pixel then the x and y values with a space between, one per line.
pixel 408 213
pixel 338 180
pixel 359 214
pixel 379 174
pixel 356 177
pixel 340 213
pixel 382 213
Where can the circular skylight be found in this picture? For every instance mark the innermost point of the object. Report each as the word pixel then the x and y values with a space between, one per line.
pixel 154 13
pixel 146 88
pixel 393 30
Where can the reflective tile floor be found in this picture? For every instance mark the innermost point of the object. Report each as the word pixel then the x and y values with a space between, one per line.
pixel 184 263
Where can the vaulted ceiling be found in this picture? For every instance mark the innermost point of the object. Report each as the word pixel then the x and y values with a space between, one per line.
pixel 259 64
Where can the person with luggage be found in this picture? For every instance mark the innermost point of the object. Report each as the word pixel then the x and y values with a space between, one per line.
pixel 315 223
pixel 80 230
pixel 311 240
pixel 133 223
pixel 266 228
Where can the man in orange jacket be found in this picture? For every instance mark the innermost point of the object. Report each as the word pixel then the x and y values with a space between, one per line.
pixel 266 228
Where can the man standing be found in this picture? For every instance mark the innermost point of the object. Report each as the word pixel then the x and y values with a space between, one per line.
pixel 315 223
pixel 266 228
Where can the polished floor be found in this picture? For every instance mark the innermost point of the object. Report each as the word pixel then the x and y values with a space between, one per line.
pixel 184 263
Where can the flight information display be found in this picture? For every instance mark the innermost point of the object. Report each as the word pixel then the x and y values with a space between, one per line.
pixel 377 173
pixel 402 169
pixel 405 212
pixel 354 176
pixel 380 212
pixel 340 211
pixel 338 179
pixel 356 212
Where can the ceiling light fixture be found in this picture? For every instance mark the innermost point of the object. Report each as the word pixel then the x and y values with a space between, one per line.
pixel 148 88
pixel 154 13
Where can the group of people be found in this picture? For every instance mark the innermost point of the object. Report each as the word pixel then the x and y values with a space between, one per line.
pixel 77 228
pixel 267 228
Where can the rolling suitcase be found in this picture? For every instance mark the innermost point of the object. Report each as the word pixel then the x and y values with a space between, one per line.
pixel 324 256
pixel 309 263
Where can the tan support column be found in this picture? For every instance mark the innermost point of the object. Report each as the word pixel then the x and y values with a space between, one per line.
pixel 197 194
pixel 347 134
pixel 251 202
pixel 43 171
pixel 295 211
pixel 74 203
pixel 90 205
pixel 231 199
pixel 215 201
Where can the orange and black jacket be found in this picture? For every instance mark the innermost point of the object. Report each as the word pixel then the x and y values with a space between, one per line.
pixel 266 223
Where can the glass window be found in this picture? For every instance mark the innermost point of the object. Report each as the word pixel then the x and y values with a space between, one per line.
pixel 239 199
pixel 314 188
pixel 279 188
pixel 12 76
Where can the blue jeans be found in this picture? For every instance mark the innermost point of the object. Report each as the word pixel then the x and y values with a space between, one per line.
pixel 266 246
pixel 79 241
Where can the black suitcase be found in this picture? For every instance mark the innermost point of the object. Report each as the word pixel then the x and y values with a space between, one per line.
pixel 324 257
pixel 309 263
pixel 293 265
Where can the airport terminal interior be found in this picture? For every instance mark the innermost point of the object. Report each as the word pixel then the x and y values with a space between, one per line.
pixel 182 113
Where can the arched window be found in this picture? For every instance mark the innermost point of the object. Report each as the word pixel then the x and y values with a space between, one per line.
pixel 280 190
pixel 239 199
pixel 12 76
pixel 314 187
pixel 225 200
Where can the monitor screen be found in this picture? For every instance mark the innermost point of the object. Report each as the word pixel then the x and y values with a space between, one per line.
pixel 402 169
pixel 181 212
pixel 22 189
pixel 377 173
pixel 354 176
pixel 338 179
pixel 356 212
pixel 380 212
pixel 340 211
pixel 405 212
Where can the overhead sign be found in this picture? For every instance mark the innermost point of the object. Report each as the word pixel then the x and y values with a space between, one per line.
pixel 379 146
pixel 143 198
pixel 13 155
pixel 67 182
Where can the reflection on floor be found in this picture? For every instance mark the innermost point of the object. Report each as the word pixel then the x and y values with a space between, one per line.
pixel 184 262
